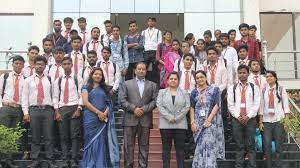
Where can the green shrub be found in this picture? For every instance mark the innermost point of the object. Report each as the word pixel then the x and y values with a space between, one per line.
pixel 9 139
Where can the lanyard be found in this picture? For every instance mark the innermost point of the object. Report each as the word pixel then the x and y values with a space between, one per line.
pixel 202 96
pixel 55 41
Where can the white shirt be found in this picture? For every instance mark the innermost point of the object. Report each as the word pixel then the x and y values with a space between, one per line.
pixel 280 108
pixel 50 58
pixel 229 53
pixel 220 74
pixel 28 68
pixel 153 37
pixel 74 92
pixel 252 103
pixel 113 79
pixel 81 61
pixel 106 38
pixel 86 74
pixel 9 89
pixel 98 48
pixel 181 66
pixel 86 34
pixel 261 80
pixel 52 71
pixel 30 92
pixel 192 80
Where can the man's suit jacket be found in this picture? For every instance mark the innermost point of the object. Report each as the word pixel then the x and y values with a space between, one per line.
pixel 130 99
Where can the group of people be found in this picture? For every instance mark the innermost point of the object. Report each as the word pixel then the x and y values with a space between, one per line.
pixel 69 94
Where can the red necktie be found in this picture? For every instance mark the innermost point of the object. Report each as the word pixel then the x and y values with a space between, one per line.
pixel 76 63
pixel 187 81
pixel 94 45
pixel 83 38
pixel 31 70
pixel 106 69
pixel 271 99
pixel 256 81
pixel 40 95
pixel 243 101
pixel 212 75
pixel 16 97
pixel 57 71
pixel 66 91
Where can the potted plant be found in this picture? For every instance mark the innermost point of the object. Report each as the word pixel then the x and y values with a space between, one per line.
pixel 292 126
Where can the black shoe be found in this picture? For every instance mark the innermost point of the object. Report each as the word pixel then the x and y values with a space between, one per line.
pixel 74 164
pixel 11 164
pixel 34 164
pixel 26 156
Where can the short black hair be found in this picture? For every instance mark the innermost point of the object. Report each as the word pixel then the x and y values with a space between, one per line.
pixel 95 28
pixel 67 58
pixel 242 66
pixel 207 32
pixel 168 31
pixel 18 58
pixel 189 36
pixel 152 18
pixel 58 49
pixel 68 19
pixel 254 60
pixel 93 52
pixel 34 47
pixel 106 48
pixel 107 21
pixel 253 27
pixel 243 25
pixel 183 41
pixel 40 58
pixel 231 30
pixel 211 48
pixel 47 39
pixel 242 47
pixel 138 63
pixel 81 19
pixel 73 31
pixel 188 55
pixel 131 21
pixel 218 30
pixel 218 42
pixel 116 26
pixel 56 21
pixel 224 35
pixel 76 38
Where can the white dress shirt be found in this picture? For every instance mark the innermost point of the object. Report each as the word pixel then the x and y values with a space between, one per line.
pixel 106 38
pixel 9 89
pixel 220 74
pixel 74 92
pixel 252 104
pixel 261 80
pixel 229 53
pixel 280 108
pixel 85 34
pixel 181 66
pixel 86 74
pixel 81 62
pixel 153 37
pixel 52 71
pixel 182 80
pixel 28 68
pixel 30 92
pixel 113 79
pixel 98 47
pixel 50 59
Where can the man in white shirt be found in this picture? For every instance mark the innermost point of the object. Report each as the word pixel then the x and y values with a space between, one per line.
pixel 153 37
pixel 229 53
pixel 243 55
pixel 255 76
pixel 243 104
pixel 108 35
pixel 48 47
pixel 67 104
pixel 68 23
pixel 94 44
pixel 55 70
pixel 32 53
pixel 92 59
pixel 83 33
pixel 78 58
pixel 38 110
pixel 11 84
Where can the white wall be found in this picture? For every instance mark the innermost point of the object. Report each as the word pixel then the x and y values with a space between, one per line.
pixel 279 5
pixel 17 6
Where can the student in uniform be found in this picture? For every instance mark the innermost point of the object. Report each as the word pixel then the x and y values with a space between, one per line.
pixel 178 65
pixel 55 70
pixel 243 104
pixel 243 55
pixel 38 111
pixel 274 107
pixel 29 67
pixel 94 44
pixel 68 46
pixel 200 52
pixel 82 31
pixel 68 23
pixel 135 43
pixel 108 34
pixel 78 58
pixel 11 85
pixel 67 104
pixel 92 59
pixel 48 47
pixel 56 37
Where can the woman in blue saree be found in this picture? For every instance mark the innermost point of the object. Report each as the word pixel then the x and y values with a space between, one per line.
pixel 206 123
pixel 100 140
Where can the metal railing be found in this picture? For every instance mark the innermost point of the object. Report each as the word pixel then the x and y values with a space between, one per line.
pixel 9 54
pixel 268 54
pixel 294 112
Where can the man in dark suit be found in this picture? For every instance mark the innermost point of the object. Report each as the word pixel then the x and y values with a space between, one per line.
pixel 138 98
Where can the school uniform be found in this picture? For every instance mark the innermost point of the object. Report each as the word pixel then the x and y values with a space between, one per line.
pixel 29 70
pixel 78 60
pixel 85 36
pixel 273 111
pixel 229 53
pixel 85 72
pixel 259 80
pixel 37 102
pixel 93 45
pixel 244 101
pixel 179 65
pixel 50 58
pixel 187 81
pixel 66 100
pixel 55 71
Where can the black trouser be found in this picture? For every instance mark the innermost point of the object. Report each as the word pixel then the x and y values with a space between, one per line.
pixel 244 136
pixel 189 139
pixel 275 130
pixel 153 72
pixel 69 131
pixel 41 123
pixel 167 136
pixel 130 71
